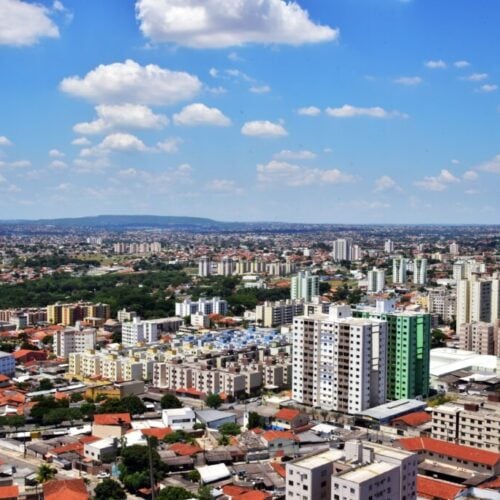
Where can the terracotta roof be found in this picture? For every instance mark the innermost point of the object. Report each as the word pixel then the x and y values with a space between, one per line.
pixel 69 489
pixel 59 450
pixel 4 378
pixel 273 435
pixel 253 495
pixel 436 489
pixel 232 490
pixel 9 491
pixel 112 418
pixel 287 414
pixel 413 419
pixel 185 450
pixel 450 449
pixel 494 484
pixel 158 432
pixel 279 468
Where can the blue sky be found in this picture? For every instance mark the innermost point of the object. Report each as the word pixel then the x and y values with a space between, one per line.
pixel 340 111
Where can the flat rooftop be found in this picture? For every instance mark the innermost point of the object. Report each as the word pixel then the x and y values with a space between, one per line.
pixel 367 472
pixel 313 461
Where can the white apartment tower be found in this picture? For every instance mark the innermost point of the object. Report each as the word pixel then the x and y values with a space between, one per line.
pixel 399 266
pixel 478 299
pixel 420 271
pixel 341 250
pixel 339 362
pixel 136 331
pixel 304 286
pixel 226 266
pixel 389 246
pixel 376 280
pixel 204 266
pixel 72 340
pixel 454 248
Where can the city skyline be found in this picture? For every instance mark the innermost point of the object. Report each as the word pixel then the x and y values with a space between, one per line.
pixel 350 113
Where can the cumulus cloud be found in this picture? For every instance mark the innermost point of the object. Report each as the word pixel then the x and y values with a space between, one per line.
pixel 386 183
pixel 409 81
pixel 488 87
pixel 491 166
pixel 170 145
pixel 461 64
pixel 4 141
pixel 15 164
pixel 58 165
pixel 224 186
pixel 121 116
pixel 309 111
pixel 260 89
pixel 475 77
pixel 81 141
pixel 435 64
pixel 287 154
pixel 263 128
pixel 115 142
pixel 470 175
pixel 199 114
pixel 129 82
pixel 55 153
pixel 288 174
pixel 219 23
pixel 439 182
pixel 23 23
pixel 348 111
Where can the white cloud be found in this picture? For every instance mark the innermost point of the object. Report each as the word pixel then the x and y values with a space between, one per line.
pixel 241 75
pixel 2 179
pixel 461 64
pixel 16 164
pixel 55 153
pixel 199 114
pixel 287 154
pixel 386 183
pixel 115 142
pixel 435 64
pixel 409 81
pixel 223 23
pixel 437 183
pixel 455 162
pixel 121 116
pixel 233 56
pixel 309 111
pixel 475 77
pixel 260 89
pixel 488 87
pixel 470 175
pixel 129 82
pixel 288 174
pixel 81 141
pixel 170 145
pixel 491 166
pixel 348 111
pixel 4 141
pixel 23 23
pixel 224 186
pixel 213 72
pixel 216 90
pixel 263 128
pixel 58 165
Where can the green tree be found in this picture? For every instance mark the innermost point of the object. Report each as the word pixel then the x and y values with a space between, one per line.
pixel 213 401
pixel 45 385
pixel 45 473
pixel 109 489
pixel 204 493
pixel 193 475
pixel 438 338
pixel 174 493
pixel 129 404
pixel 170 401
pixel 76 397
pixel 229 429
pixel 255 420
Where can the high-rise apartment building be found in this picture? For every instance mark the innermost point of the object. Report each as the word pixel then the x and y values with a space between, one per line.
pixel 204 266
pixel 389 246
pixel 226 266
pixel 202 306
pixel 69 314
pixel 72 340
pixel 454 248
pixel 341 250
pixel 339 362
pixel 442 302
pixel 478 300
pixel 304 286
pixel 408 351
pixel 271 314
pixel 376 280
pixel 399 266
pixel 420 271
pixel 480 337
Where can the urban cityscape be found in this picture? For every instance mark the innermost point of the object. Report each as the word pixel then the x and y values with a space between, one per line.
pixel 232 283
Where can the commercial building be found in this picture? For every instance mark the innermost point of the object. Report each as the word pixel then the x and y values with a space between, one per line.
pixel 408 350
pixel 7 364
pixel 399 267
pixel 271 314
pixel 376 280
pixel 179 418
pixel 304 286
pixel 71 340
pixel 339 362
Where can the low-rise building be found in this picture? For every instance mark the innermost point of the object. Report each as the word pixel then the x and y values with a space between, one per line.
pixel 179 418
